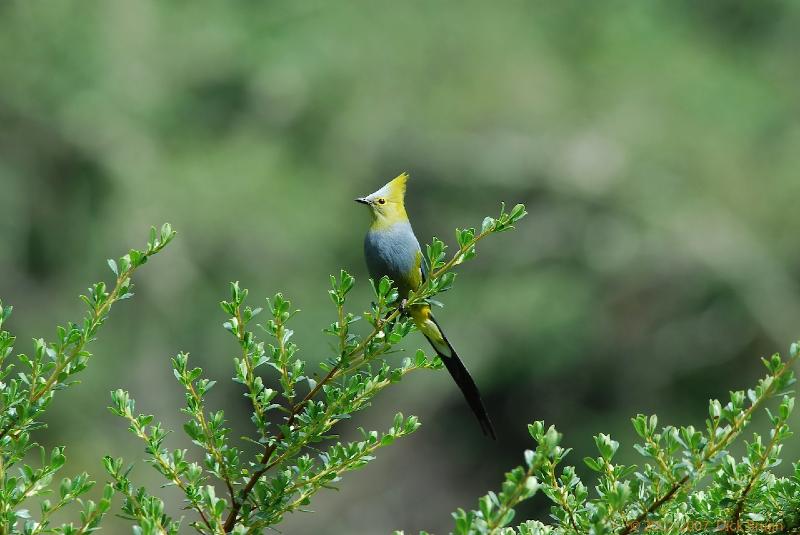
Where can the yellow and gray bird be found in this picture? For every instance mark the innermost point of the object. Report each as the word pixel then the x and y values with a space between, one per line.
pixel 392 249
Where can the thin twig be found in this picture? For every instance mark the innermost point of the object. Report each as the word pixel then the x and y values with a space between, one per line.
pixel 756 474
pixel 210 437
pixel 511 502
pixel 168 470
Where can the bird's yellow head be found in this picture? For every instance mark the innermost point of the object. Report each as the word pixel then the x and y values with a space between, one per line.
pixel 386 204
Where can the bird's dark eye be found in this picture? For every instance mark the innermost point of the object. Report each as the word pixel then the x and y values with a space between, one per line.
pixel 381 201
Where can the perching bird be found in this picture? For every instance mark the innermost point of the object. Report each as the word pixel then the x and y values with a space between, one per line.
pixel 391 249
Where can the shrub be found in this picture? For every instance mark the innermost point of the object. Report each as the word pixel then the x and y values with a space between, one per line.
pixel 27 388
pixel 689 482
pixel 289 420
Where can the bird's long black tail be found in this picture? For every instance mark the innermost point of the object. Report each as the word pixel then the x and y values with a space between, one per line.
pixel 462 378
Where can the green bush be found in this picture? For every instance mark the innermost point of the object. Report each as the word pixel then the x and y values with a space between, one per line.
pixel 27 389
pixel 294 453
pixel 667 494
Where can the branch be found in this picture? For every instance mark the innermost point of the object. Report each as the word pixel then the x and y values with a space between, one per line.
pixel 100 304
pixel 714 448
pixel 776 435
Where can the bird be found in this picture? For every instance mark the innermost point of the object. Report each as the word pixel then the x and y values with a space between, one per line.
pixel 391 249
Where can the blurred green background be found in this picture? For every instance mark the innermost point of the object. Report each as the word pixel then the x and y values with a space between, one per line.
pixel 654 143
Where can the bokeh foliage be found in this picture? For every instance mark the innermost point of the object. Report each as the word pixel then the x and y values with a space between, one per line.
pixel 654 144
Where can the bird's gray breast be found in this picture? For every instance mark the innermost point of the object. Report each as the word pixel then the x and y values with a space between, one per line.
pixel 392 251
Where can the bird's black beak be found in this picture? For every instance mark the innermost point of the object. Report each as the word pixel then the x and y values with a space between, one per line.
pixel 362 200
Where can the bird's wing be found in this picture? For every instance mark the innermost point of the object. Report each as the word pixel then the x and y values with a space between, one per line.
pixel 419 272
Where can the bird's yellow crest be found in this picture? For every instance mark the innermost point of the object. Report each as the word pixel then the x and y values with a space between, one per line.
pixel 387 203
pixel 396 188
